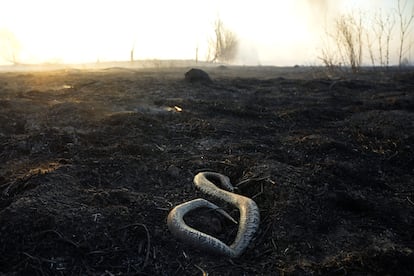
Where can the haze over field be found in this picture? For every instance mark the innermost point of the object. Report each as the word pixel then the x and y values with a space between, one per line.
pixel 269 32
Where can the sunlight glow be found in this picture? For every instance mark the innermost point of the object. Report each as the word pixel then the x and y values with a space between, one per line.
pixel 270 32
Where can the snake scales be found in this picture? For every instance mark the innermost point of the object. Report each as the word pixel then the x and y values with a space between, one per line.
pixel 248 222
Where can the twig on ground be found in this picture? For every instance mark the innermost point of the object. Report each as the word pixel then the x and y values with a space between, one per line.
pixel 63 238
pixel 251 179
pixel 404 192
pixel 148 239
pixel 274 244
pixel 259 193
pixel 202 270
pixel 39 260
pixel 107 272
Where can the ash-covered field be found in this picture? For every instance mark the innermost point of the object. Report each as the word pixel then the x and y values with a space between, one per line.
pixel 92 161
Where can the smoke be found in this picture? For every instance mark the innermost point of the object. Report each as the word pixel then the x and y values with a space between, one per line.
pixel 248 53
pixel 293 31
pixel 321 12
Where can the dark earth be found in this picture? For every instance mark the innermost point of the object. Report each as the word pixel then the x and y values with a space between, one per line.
pixel 92 161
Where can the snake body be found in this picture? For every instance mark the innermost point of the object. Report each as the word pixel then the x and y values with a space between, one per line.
pixel 248 222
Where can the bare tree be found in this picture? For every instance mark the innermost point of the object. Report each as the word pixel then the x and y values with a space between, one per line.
pixel 379 32
pixel 390 22
pixel 9 46
pixel 383 28
pixel 405 23
pixel 224 45
pixel 131 53
pixel 370 48
pixel 352 38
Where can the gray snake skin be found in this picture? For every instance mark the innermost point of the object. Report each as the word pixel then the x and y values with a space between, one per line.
pixel 248 222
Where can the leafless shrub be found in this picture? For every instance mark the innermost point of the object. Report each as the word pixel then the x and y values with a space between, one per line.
pixel 328 56
pixel 344 43
pixel 349 39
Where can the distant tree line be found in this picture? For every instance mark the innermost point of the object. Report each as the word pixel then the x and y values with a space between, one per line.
pixel 353 34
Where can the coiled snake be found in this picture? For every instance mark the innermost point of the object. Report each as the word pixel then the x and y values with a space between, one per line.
pixel 248 222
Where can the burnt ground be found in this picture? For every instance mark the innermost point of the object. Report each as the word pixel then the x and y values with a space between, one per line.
pixel 91 162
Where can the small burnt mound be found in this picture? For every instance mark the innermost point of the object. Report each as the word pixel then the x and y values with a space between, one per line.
pixel 197 76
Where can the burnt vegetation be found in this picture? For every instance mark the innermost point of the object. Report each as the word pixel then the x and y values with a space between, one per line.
pixel 91 162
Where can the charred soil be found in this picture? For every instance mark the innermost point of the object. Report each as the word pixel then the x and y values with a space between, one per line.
pixel 91 163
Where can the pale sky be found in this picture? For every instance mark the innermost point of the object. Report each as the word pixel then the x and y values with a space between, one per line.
pixel 271 32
